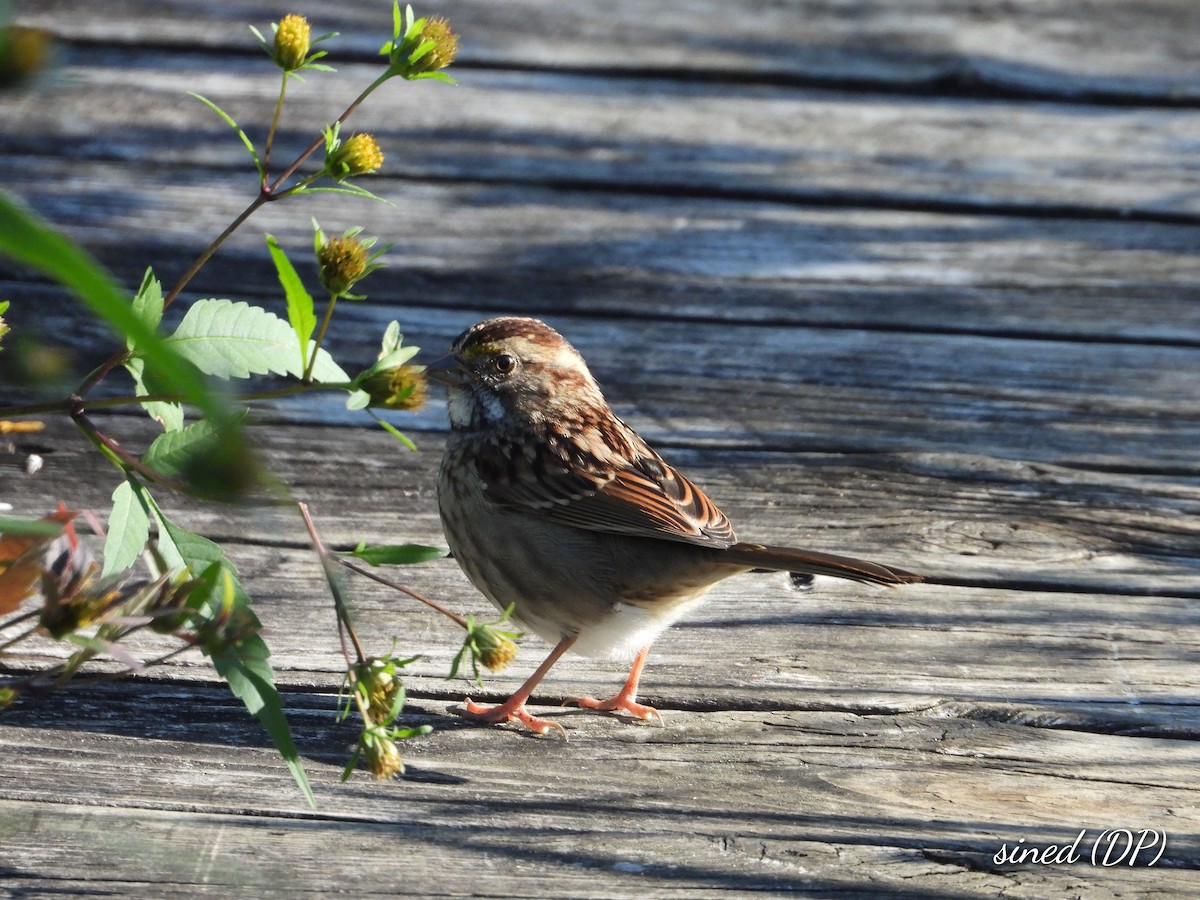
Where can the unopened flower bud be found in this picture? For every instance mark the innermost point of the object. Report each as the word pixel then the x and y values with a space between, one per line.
pixel 379 686
pixel 23 53
pixel 445 46
pixel 358 155
pixel 401 387
pixel 383 757
pixel 341 261
pixel 292 40
pixel 496 650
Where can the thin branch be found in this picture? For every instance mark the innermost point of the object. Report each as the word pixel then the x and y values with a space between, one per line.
pixel 266 167
pixel 345 627
pixel 394 585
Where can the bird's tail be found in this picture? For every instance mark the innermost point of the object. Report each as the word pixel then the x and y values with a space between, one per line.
pixel 810 562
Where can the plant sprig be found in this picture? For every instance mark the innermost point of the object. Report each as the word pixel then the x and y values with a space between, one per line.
pixel 193 592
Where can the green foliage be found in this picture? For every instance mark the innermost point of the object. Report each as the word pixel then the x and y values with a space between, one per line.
pixel 128 529
pixel 229 120
pixel 232 339
pixel 299 301
pixel 194 593
pixel 398 554
pixel 148 306
pixel 242 659
pixel 27 239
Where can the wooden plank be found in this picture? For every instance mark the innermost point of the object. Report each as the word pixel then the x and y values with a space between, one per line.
pixel 661 136
pixel 823 801
pixel 1085 49
pixel 1092 651
pixel 1081 404
pixel 625 254
pixel 794 293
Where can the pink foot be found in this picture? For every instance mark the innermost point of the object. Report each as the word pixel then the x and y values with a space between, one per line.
pixel 619 702
pixel 508 712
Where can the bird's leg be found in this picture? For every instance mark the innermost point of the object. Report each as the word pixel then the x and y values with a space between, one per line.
pixel 625 700
pixel 514 706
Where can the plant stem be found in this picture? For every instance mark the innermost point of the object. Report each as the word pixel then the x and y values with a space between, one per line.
pixel 265 194
pixel 315 145
pixel 274 126
pixel 263 197
pixel 345 627
pixel 308 370
pixel 34 409
pixel 394 585
pixel 122 457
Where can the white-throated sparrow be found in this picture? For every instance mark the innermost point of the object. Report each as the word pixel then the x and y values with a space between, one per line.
pixel 552 503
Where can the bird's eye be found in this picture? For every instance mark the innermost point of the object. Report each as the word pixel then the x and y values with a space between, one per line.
pixel 504 363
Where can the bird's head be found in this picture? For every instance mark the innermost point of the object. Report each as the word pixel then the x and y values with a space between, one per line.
pixel 515 371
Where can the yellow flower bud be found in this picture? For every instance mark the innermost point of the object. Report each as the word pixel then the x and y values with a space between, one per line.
pixel 341 261
pixel 445 46
pixel 383 757
pixel 292 40
pixel 401 387
pixel 379 686
pixel 359 155
pixel 496 650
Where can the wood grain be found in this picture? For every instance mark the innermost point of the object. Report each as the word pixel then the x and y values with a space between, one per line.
pixel 910 281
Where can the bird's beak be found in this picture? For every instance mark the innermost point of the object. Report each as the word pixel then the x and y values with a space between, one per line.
pixel 448 371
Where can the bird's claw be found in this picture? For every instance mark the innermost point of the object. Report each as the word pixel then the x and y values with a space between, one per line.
pixel 618 703
pixel 505 712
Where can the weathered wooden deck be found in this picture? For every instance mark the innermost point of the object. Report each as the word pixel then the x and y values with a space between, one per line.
pixel 912 281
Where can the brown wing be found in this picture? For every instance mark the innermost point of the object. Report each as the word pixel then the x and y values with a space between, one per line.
pixel 632 492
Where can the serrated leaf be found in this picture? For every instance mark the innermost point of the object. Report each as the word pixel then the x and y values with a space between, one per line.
pixel 244 666
pixel 398 554
pixel 299 301
pixel 236 340
pixel 169 453
pixel 28 239
pixel 148 303
pixel 251 681
pixel 168 415
pixel 128 530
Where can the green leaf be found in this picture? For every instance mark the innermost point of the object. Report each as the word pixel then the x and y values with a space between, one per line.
pixel 388 360
pixel 128 529
pixel 168 453
pixel 168 415
pixel 395 432
pixel 148 303
pixel 398 554
pixel 197 456
pixel 29 240
pixel 237 340
pixel 250 679
pixel 352 190
pixel 234 125
pixel 436 76
pixel 299 301
pixel 358 399
pixel 244 665
pixel 30 527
